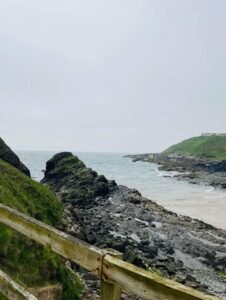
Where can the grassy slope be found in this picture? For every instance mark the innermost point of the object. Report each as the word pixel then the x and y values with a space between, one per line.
pixel 24 260
pixel 213 147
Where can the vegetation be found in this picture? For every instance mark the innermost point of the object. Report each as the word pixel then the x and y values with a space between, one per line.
pixel 25 261
pixel 222 274
pixel 209 147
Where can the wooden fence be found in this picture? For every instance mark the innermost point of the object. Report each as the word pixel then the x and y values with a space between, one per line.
pixel 115 274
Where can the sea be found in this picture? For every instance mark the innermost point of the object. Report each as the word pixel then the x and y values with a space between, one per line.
pixel 197 201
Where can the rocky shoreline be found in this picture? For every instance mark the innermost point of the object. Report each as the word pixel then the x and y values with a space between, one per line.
pixel 193 170
pixel 108 215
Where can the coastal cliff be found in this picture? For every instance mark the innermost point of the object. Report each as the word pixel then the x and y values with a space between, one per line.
pixel 108 215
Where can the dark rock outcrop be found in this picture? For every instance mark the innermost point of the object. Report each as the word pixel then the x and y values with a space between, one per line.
pixel 73 182
pixel 149 236
pixel 10 157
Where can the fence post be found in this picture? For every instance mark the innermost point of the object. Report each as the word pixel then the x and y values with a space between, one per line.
pixel 110 291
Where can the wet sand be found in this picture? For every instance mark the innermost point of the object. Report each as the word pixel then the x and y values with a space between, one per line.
pixel 212 212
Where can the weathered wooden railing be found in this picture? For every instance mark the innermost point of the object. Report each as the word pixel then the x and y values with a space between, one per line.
pixel 114 273
pixel 12 290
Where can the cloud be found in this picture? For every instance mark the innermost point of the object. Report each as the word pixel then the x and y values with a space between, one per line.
pixel 101 75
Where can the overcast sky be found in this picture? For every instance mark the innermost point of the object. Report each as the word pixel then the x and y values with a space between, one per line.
pixel 111 75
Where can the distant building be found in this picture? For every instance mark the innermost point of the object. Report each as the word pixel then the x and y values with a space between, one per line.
pixel 213 134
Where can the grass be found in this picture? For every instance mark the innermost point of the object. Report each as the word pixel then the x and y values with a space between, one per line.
pixel 26 195
pixel 27 262
pixel 209 147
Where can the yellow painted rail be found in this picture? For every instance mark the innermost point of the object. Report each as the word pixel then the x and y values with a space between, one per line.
pixel 115 274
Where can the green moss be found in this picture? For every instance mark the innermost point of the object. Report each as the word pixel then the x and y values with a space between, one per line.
pixel 155 271
pixel 222 274
pixel 65 164
pixel 209 147
pixel 27 262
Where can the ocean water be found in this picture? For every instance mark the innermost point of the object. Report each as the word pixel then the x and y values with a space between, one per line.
pixel 198 201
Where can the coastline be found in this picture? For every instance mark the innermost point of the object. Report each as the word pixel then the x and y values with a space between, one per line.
pixel 196 172
pixel 178 247
pixel 161 186
pixel 181 248
pixel 188 168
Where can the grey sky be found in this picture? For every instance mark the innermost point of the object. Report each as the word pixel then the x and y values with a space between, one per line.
pixel 111 75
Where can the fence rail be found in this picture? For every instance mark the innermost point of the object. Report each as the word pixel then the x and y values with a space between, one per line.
pixel 106 264
pixel 12 290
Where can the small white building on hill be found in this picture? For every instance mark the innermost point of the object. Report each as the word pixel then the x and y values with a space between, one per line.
pixel 213 134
